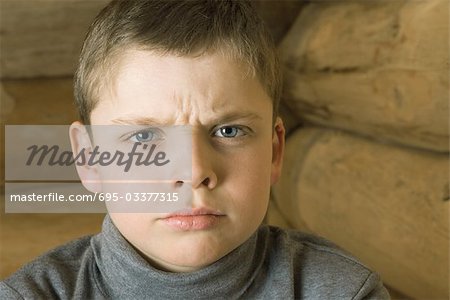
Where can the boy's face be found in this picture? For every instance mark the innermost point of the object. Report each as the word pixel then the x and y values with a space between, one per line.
pixel 236 154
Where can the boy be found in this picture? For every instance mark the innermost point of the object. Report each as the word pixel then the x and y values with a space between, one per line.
pixel 209 65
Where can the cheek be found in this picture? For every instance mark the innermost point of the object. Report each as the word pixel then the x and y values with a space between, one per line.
pixel 249 179
pixel 254 163
pixel 132 226
pixel 125 221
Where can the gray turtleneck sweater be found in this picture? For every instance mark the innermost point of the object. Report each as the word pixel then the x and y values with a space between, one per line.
pixel 271 264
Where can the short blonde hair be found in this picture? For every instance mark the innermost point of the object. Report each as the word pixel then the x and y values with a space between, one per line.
pixel 183 28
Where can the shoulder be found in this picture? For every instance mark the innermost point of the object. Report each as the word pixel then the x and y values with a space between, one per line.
pixel 321 268
pixel 51 275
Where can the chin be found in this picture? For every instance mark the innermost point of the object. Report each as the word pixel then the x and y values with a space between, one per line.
pixel 195 253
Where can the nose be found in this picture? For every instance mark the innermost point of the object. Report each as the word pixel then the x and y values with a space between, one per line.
pixel 203 171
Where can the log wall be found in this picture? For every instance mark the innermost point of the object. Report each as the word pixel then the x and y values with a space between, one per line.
pixel 369 170
pixel 388 205
pixel 379 68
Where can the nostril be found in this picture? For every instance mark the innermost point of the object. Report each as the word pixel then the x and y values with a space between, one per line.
pixel 178 183
pixel 206 181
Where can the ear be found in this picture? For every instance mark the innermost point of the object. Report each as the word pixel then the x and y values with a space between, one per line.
pixel 80 141
pixel 277 150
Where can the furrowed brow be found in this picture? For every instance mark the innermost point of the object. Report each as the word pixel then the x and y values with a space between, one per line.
pixel 226 118
pixel 235 116
pixel 141 121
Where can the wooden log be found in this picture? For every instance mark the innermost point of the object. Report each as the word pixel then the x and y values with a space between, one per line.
pixel 278 15
pixel 275 217
pixel 380 68
pixel 6 102
pixel 290 121
pixel 25 236
pixel 387 205
pixel 43 38
pixel 40 101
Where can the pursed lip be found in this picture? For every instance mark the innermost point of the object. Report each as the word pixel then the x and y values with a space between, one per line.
pixel 202 211
pixel 193 219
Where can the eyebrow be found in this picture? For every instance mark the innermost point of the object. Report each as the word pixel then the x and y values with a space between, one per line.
pixel 139 121
pixel 226 118
pixel 234 116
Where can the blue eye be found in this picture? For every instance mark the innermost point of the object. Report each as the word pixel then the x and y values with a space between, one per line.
pixel 229 132
pixel 143 136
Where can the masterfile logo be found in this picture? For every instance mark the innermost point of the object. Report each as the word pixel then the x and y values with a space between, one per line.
pixel 53 156
pixel 139 169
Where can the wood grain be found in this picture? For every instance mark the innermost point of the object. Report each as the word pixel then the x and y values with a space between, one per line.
pixel 379 68
pixel 23 237
pixel 387 205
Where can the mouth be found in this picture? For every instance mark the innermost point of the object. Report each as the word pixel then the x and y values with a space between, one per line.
pixel 194 219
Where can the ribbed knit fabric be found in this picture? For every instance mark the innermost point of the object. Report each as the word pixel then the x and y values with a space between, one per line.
pixel 271 264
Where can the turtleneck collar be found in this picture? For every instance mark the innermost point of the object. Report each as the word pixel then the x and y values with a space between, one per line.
pixel 124 274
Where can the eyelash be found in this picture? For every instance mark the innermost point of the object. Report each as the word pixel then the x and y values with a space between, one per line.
pixel 156 135
pixel 242 129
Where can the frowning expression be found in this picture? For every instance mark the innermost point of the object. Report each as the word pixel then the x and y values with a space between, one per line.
pixel 236 151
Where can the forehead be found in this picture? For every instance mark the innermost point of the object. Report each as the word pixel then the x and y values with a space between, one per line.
pixel 180 89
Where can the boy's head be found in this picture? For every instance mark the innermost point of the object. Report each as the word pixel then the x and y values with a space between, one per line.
pixel 206 64
pixel 180 28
